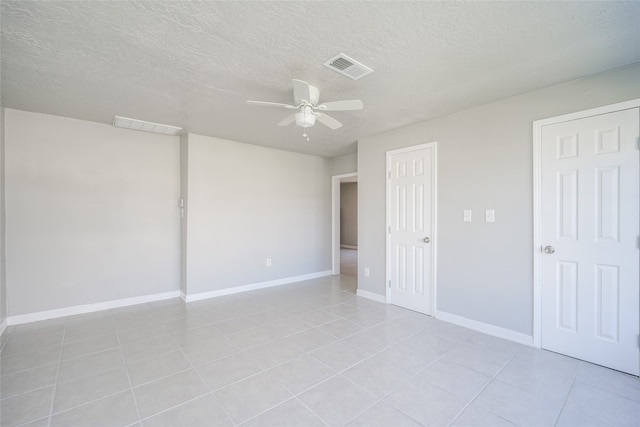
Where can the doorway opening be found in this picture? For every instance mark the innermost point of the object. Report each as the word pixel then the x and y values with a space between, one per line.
pixel 349 226
pixel 344 222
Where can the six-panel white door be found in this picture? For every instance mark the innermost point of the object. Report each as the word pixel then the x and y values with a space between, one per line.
pixel 590 230
pixel 410 192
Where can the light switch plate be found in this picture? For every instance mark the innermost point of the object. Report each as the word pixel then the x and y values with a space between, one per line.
pixel 466 217
pixel 490 215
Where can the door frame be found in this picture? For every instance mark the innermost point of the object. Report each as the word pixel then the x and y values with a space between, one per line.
pixel 335 219
pixel 434 222
pixel 537 199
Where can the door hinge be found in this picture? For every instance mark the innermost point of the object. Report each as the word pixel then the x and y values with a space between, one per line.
pixel 389 174
pixel 389 284
pixel 389 228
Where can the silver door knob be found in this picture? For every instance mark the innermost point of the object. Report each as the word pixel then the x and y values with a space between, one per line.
pixel 426 240
pixel 549 250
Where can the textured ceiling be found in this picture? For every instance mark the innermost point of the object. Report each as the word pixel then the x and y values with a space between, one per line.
pixel 193 64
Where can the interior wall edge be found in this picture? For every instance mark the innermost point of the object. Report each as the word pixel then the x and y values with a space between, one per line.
pixel 3 240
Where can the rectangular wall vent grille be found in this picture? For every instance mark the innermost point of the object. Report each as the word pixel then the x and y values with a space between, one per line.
pixel 347 66
pixel 126 123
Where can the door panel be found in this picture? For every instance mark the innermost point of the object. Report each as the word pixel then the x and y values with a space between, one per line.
pixel 590 228
pixel 410 221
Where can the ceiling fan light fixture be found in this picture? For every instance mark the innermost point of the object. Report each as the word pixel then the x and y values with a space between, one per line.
pixel 306 102
pixel 305 118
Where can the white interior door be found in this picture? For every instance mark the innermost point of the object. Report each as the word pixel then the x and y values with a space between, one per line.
pixel 410 216
pixel 589 234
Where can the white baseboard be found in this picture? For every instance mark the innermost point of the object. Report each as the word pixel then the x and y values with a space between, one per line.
pixel 89 308
pixel 485 328
pixel 348 247
pixel 254 286
pixel 107 305
pixel 371 296
pixel 3 327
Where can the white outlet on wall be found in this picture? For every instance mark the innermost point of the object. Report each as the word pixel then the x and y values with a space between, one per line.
pixel 490 215
pixel 466 216
pixel 366 272
pixel 268 262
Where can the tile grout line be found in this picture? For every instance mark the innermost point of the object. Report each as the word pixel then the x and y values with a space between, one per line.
pixel 90 402
pixel 573 382
pixel 420 371
pixel 308 354
pixel 55 382
pixel 485 387
pixel 311 410
pixel 213 394
pixel 209 392
pixel 126 369
pixel 339 374
pixel 381 399
pixel 290 398
pixel 93 353
pixel 293 395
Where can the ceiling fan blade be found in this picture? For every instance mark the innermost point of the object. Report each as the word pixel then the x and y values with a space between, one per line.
pixel 287 120
pixel 270 104
pixel 301 91
pixel 348 105
pixel 329 121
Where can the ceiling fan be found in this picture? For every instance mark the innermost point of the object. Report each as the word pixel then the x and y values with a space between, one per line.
pixel 305 98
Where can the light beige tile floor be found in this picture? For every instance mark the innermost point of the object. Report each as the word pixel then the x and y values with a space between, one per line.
pixel 305 354
pixel 348 262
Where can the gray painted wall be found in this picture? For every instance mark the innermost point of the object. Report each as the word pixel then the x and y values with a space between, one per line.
pixel 91 212
pixel 349 214
pixel 3 283
pixel 344 164
pixel 249 203
pixel 484 270
pixel 93 216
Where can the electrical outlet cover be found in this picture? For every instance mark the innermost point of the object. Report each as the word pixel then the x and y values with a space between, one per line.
pixel 490 215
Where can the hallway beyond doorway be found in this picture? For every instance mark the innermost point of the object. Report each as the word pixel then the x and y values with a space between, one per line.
pixel 349 262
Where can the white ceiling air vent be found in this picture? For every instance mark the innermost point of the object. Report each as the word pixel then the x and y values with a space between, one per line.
pixel 347 66
pixel 124 122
